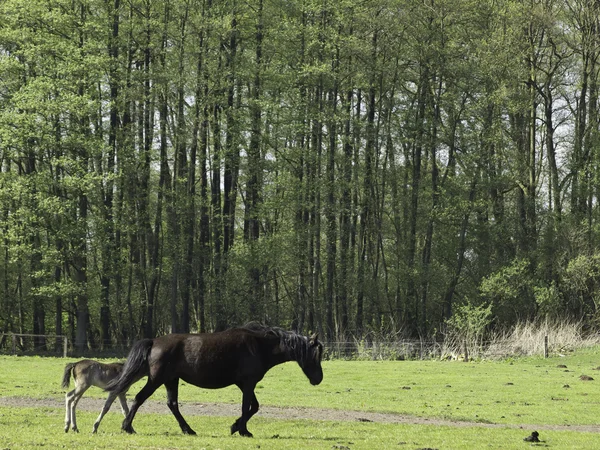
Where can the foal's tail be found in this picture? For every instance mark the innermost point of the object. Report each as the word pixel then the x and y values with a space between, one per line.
pixel 67 375
pixel 135 367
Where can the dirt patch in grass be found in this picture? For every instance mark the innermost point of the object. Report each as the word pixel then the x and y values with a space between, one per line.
pixel 288 413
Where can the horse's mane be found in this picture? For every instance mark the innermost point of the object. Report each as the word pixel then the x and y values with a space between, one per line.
pixel 296 344
pixel 257 327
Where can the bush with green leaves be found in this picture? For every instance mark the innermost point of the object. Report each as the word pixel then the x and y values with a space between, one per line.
pixel 468 324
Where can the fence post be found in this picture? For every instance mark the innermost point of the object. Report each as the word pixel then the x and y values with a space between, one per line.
pixel 466 352
pixel 65 346
pixel 14 344
pixel 546 346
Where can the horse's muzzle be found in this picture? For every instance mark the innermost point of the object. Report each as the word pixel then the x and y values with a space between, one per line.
pixel 316 380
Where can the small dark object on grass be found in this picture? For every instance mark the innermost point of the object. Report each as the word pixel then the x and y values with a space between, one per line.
pixel 586 378
pixel 561 366
pixel 534 437
pixel 362 419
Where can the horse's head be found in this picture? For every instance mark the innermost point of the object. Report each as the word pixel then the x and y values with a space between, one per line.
pixel 311 363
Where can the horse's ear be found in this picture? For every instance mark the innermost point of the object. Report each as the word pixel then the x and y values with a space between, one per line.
pixel 314 338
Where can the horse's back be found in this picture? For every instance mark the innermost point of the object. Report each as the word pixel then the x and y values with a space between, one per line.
pixel 208 360
pixel 205 344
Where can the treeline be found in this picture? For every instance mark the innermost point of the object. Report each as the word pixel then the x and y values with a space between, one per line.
pixel 340 166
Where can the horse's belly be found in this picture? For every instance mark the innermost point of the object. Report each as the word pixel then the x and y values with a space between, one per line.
pixel 208 381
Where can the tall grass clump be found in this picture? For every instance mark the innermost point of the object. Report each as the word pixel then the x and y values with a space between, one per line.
pixel 469 334
pixel 527 338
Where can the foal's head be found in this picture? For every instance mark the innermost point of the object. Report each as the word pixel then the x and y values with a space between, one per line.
pixel 311 360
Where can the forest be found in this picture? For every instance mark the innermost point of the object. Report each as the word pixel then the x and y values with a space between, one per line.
pixel 356 168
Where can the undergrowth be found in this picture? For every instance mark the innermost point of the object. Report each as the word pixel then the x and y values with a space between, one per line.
pixel 523 339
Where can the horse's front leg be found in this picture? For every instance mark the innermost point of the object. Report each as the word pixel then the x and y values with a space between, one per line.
pixel 172 402
pixel 250 407
pixel 140 398
pixel 105 408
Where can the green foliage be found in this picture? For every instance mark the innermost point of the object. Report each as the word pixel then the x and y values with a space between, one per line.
pixel 393 159
pixel 509 290
pixel 581 282
pixel 583 273
pixel 469 322
pixel 548 300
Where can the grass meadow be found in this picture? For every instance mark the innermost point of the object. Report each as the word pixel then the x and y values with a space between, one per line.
pixel 473 405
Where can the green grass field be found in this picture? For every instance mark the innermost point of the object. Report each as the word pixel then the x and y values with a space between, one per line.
pixel 517 396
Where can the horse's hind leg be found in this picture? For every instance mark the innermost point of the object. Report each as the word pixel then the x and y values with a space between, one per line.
pixel 105 408
pixel 74 400
pixel 68 400
pixel 140 398
pixel 249 408
pixel 172 394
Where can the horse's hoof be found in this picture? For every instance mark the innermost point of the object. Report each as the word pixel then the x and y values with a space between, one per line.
pixel 234 428
pixel 246 433
pixel 129 430
pixel 189 432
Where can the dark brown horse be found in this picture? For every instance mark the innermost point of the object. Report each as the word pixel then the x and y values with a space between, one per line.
pixel 238 356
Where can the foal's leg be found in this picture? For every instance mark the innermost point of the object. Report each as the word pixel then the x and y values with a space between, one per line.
pixel 79 391
pixel 249 408
pixel 140 398
pixel 123 401
pixel 105 408
pixel 68 399
pixel 172 394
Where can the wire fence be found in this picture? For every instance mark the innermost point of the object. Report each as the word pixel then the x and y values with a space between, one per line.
pixel 400 349
pixel 384 350
pixel 34 344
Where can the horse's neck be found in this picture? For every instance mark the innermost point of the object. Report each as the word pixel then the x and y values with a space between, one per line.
pixel 280 358
pixel 283 352
pixel 295 351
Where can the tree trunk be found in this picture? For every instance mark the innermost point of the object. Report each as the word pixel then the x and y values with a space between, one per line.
pixel 330 210
pixel 415 182
pixel 253 185
pixel 108 188
pixel 232 152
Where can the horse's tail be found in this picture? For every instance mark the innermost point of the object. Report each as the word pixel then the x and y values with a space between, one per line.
pixel 67 375
pixel 135 367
